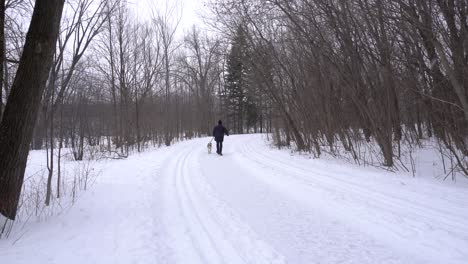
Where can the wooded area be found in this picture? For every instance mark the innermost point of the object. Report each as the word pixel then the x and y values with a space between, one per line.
pixel 337 73
pixel 320 75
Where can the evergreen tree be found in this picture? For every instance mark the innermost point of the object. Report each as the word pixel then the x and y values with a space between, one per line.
pixel 239 98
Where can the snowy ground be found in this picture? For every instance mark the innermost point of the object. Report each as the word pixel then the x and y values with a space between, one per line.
pixel 253 205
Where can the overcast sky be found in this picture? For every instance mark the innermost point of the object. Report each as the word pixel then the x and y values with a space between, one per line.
pixel 190 16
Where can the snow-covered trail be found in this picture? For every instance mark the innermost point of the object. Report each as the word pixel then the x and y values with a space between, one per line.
pixel 200 226
pixel 116 221
pixel 253 205
pixel 355 215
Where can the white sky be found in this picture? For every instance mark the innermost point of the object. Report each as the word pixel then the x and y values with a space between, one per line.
pixel 190 13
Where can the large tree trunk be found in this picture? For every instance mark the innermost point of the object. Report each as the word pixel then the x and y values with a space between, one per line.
pixel 23 103
pixel 2 52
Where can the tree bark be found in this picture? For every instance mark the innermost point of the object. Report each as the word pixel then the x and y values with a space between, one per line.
pixel 23 103
pixel 2 53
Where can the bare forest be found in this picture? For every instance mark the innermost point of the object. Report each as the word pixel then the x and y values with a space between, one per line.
pixel 346 78
pixel 335 76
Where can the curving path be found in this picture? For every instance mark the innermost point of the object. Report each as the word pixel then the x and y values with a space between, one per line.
pixel 253 205
pixel 295 210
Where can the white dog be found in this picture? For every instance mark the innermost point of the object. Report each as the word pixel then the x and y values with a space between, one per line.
pixel 209 148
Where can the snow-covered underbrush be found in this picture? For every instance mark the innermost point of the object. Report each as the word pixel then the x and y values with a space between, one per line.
pixel 73 178
pixel 427 158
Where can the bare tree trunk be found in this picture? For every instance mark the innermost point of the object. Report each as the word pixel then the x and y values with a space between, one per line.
pixel 137 121
pixel 23 103
pixel 167 119
pixel 2 53
pixel 112 74
pixel 49 116
pixel 50 165
pixel 59 158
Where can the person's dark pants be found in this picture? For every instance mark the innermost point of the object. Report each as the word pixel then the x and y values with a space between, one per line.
pixel 219 147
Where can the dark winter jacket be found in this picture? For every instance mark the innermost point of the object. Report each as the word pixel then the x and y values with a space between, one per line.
pixel 219 131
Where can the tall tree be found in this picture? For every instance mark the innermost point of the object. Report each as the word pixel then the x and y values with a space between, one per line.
pixel 23 102
pixel 2 52
pixel 235 83
pixel 167 23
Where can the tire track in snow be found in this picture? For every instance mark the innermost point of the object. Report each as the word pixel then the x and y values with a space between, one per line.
pixel 212 233
pixel 339 181
pixel 332 183
pixel 202 237
pixel 421 219
pixel 184 210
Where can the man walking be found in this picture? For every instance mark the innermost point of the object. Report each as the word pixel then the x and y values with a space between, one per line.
pixel 218 134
